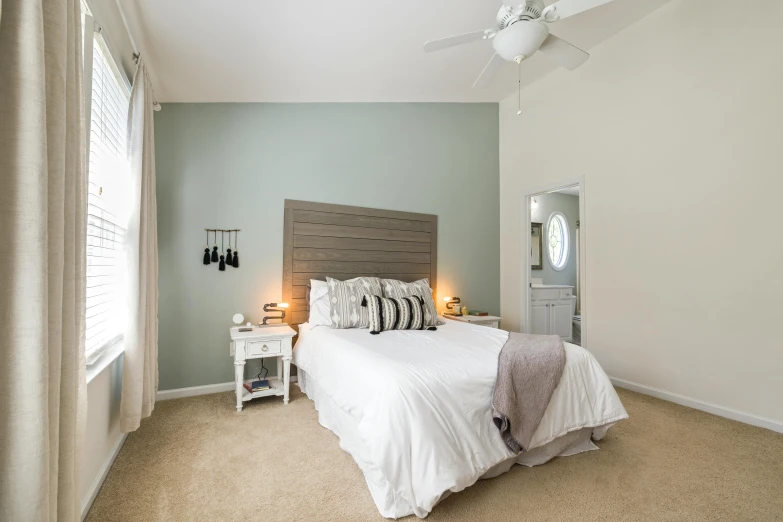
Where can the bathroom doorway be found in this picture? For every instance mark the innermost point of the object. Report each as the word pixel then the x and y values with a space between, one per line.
pixel 555 273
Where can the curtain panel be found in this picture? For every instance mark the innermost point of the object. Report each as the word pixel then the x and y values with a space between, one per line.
pixel 43 226
pixel 140 368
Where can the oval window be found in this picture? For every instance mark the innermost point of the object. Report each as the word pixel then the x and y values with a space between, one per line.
pixel 557 240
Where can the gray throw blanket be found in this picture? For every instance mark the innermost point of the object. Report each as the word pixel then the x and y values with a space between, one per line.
pixel 529 369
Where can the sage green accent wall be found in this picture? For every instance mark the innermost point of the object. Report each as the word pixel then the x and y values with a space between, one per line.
pixel 232 165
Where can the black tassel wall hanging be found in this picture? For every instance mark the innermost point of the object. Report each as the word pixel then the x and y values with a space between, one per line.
pixel 222 266
pixel 206 251
pixel 229 257
pixel 235 264
pixel 223 258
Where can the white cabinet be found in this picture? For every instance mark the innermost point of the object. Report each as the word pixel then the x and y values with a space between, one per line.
pixel 539 317
pixel 561 319
pixel 552 310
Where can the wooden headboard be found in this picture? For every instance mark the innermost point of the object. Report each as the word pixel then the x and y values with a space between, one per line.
pixel 342 242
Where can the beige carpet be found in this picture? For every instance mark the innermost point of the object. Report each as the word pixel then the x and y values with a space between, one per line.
pixel 198 459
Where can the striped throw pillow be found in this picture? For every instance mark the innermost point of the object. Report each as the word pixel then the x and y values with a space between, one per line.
pixel 400 313
pixel 394 288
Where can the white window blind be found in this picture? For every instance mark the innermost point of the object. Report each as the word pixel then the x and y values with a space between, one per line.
pixel 107 208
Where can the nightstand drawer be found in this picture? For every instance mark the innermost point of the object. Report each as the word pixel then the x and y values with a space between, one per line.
pixel 255 348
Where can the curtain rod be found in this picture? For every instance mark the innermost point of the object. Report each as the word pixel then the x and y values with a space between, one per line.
pixel 136 52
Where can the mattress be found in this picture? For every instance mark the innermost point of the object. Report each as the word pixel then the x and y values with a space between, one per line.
pixel 413 408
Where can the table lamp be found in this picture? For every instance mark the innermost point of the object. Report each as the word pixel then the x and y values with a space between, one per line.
pixel 274 307
pixel 450 302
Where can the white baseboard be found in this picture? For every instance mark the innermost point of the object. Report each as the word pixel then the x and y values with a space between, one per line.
pixel 95 487
pixel 179 393
pixel 729 413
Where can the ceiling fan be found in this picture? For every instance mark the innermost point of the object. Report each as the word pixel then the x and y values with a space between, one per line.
pixel 520 32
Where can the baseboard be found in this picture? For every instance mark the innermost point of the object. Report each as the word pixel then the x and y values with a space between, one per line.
pixel 729 413
pixel 179 393
pixel 95 487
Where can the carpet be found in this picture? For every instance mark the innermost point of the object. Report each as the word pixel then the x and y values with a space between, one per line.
pixel 198 459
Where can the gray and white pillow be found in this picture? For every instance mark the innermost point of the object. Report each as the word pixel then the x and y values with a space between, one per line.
pixel 345 301
pixel 395 313
pixel 395 288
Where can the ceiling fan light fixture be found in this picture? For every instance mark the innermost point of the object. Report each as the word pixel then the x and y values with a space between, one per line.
pixel 520 31
pixel 521 39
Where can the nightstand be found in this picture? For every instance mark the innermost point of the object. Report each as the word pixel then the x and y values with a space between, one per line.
pixel 260 343
pixel 481 320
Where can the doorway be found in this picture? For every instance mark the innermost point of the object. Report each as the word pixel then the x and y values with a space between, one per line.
pixel 554 280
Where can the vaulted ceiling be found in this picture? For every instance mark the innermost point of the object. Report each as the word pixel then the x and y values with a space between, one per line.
pixel 339 50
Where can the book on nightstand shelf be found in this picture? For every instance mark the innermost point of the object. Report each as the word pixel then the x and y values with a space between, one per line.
pixel 478 313
pixel 257 386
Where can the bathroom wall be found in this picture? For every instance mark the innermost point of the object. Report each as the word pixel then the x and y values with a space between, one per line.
pixel 568 205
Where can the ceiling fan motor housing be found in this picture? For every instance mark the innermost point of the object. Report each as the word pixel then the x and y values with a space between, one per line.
pixel 530 10
pixel 520 40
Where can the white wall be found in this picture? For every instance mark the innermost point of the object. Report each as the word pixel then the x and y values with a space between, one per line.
pixel 103 434
pixel 567 205
pixel 675 123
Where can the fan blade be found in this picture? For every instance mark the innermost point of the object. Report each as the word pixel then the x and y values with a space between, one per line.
pixel 565 8
pixel 489 72
pixel 563 52
pixel 453 41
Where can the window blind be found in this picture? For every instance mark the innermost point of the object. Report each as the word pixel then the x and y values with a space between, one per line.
pixel 106 208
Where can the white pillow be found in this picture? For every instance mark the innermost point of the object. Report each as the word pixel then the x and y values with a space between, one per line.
pixel 319 303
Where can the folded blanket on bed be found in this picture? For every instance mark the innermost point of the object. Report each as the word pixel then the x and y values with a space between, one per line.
pixel 529 369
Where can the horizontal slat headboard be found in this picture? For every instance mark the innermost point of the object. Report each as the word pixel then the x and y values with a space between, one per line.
pixel 342 242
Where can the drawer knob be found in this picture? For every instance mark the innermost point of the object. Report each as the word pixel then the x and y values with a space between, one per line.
pixel 265 348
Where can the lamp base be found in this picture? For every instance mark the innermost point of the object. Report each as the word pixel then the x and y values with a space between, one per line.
pixel 453 314
pixel 267 325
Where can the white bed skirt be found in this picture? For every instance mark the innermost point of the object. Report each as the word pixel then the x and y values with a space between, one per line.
pixel 346 427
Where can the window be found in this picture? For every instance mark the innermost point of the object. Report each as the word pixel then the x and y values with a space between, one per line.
pixel 557 238
pixel 107 210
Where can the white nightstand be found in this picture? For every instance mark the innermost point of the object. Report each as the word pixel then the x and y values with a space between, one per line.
pixel 482 320
pixel 262 342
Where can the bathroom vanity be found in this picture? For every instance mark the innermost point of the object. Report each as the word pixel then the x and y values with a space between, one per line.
pixel 552 309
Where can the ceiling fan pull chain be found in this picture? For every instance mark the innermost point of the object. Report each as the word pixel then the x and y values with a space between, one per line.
pixel 519 88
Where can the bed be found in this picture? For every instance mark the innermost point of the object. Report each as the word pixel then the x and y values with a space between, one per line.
pixel 413 408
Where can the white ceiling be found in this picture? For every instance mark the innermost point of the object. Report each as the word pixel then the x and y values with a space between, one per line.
pixel 339 50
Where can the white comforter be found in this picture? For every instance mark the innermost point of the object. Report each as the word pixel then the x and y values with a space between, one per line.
pixel 422 403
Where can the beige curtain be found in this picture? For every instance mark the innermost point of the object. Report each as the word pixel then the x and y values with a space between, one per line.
pixel 43 222
pixel 140 369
